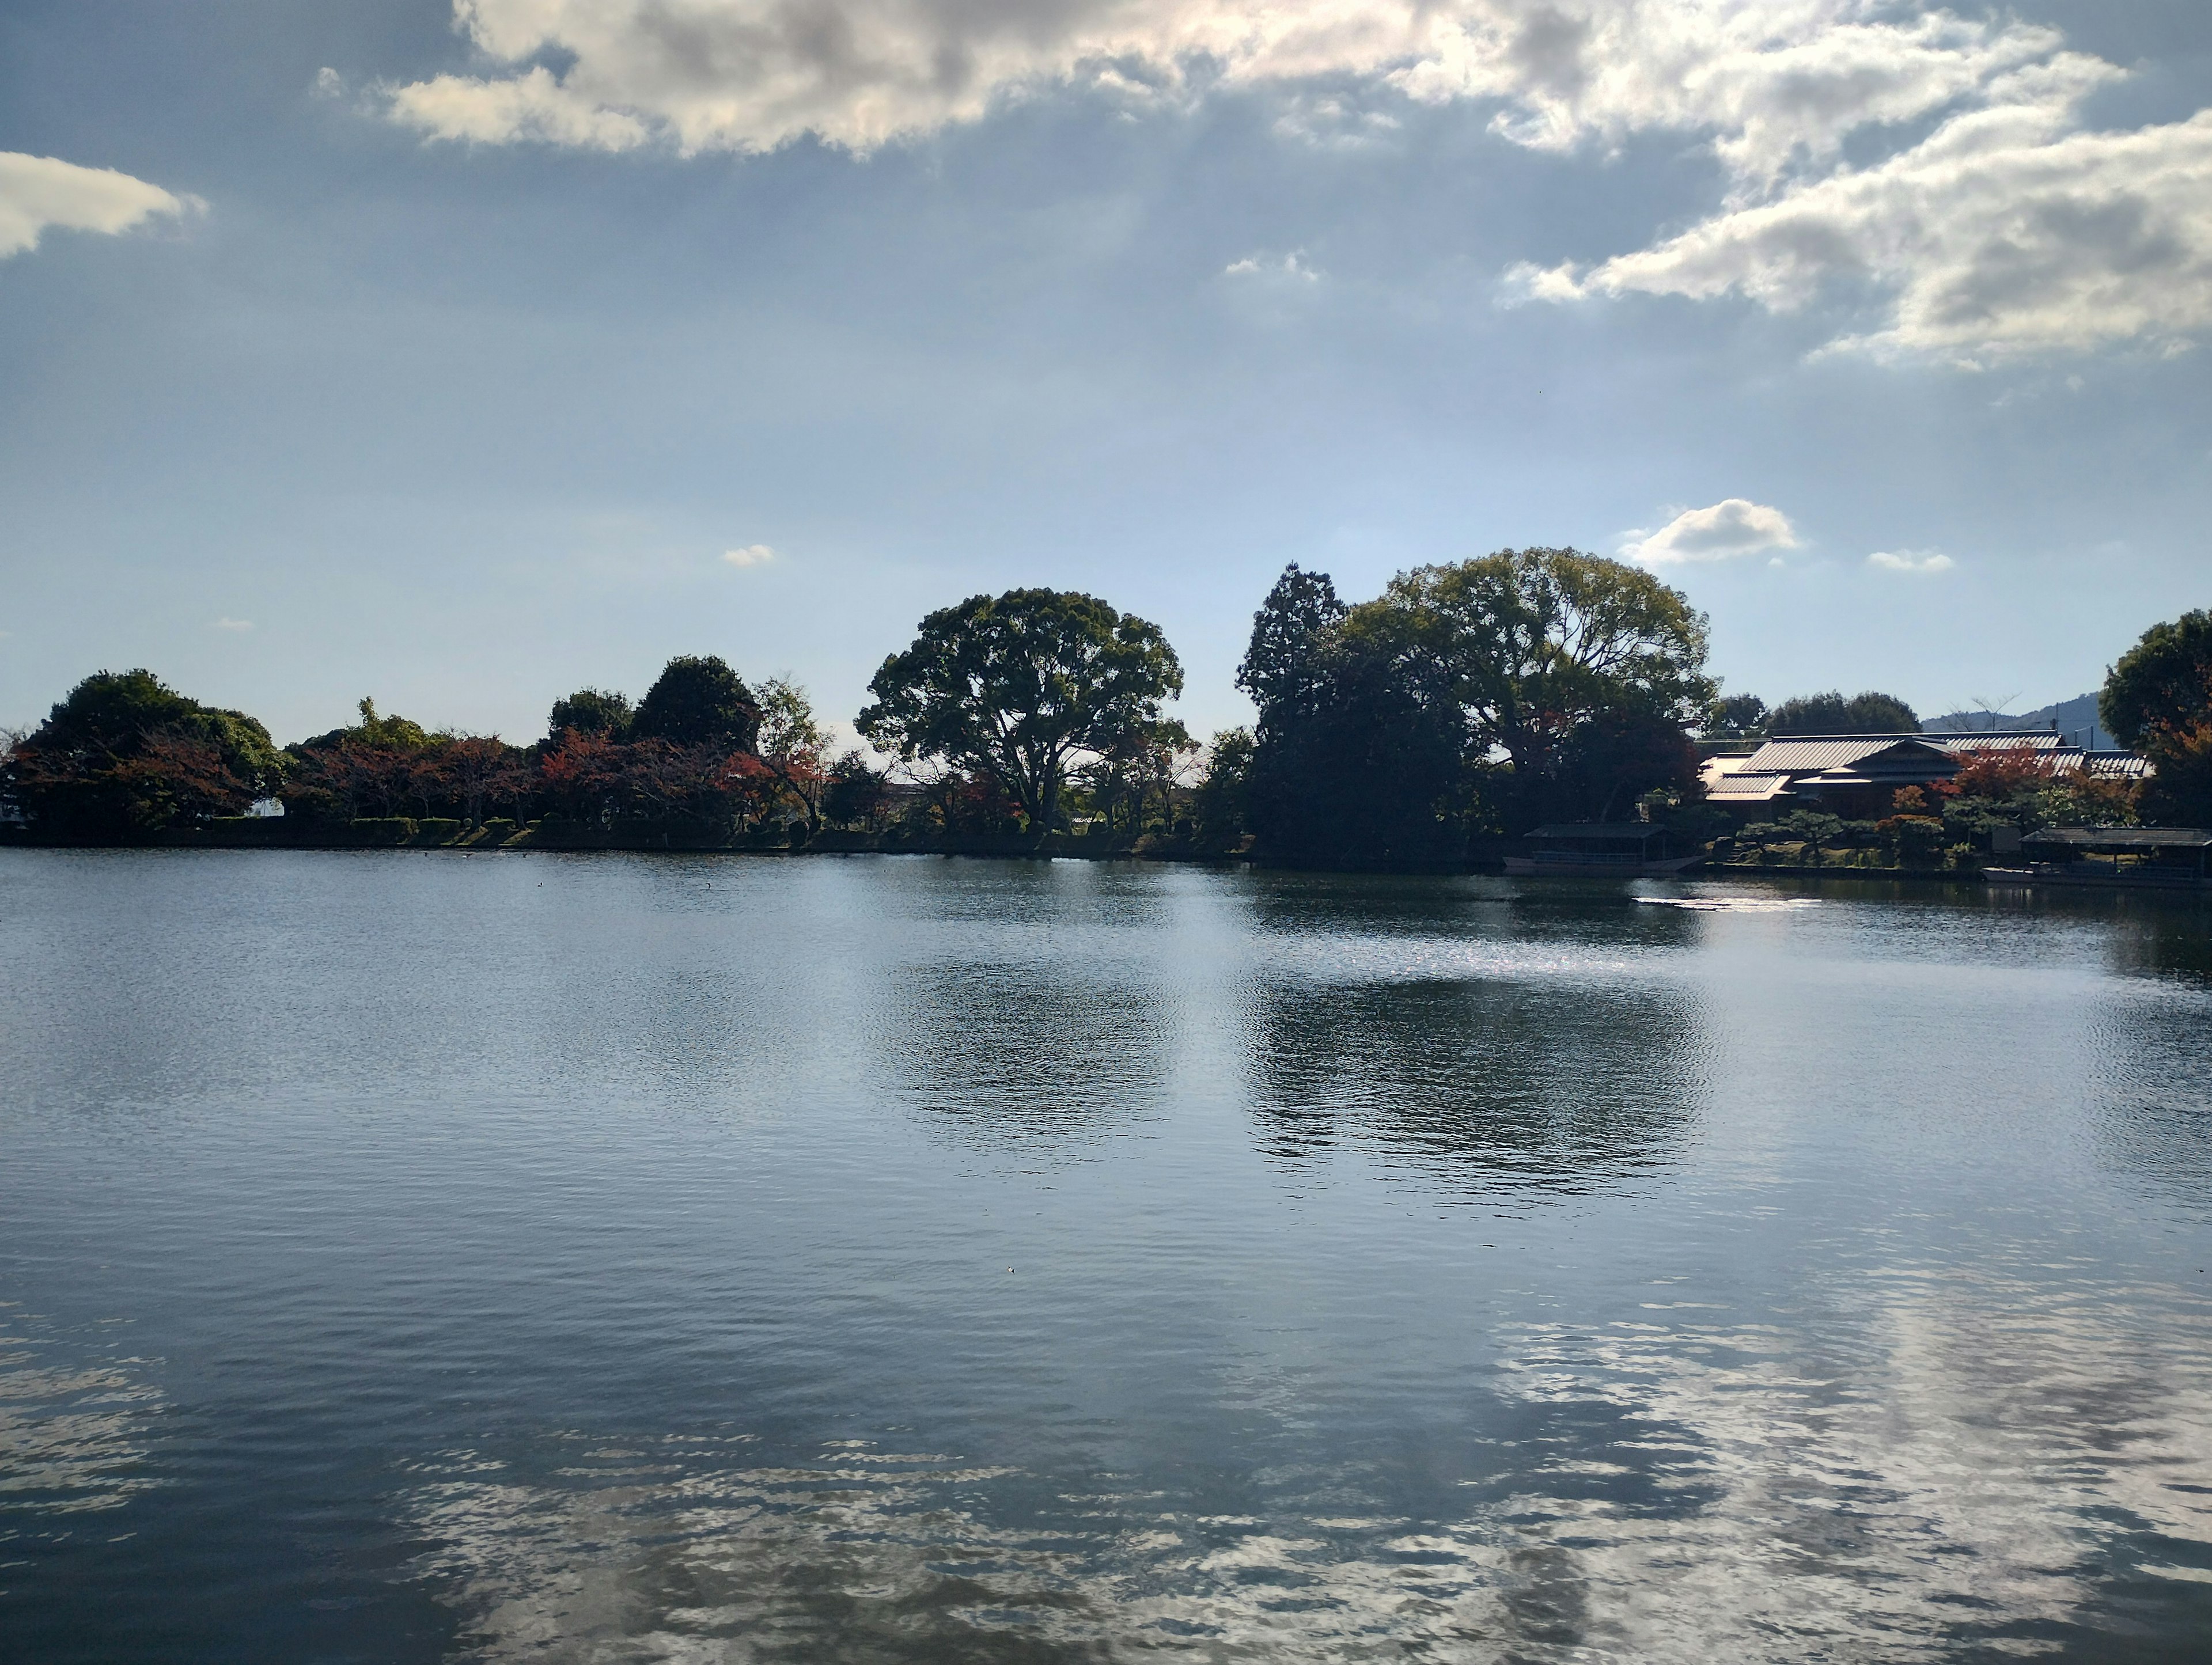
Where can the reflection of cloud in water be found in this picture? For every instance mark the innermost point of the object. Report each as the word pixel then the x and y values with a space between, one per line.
pixel 1380 959
pixel 73 1438
pixel 1963 1477
pixel 1708 904
pixel 882 1557
pixel 1492 1085
pixel 1956 1476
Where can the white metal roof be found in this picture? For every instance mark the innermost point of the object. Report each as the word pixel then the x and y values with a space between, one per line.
pixel 2015 739
pixel 1813 754
pixel 1746 788
pixel 2117 766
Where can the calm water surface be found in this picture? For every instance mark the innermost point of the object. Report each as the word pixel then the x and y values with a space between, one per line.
pixel 409 1257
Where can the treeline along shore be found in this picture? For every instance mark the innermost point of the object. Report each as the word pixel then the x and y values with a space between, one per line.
pixel 1428 727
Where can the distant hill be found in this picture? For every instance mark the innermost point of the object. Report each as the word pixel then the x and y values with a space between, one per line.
pixel 2075 719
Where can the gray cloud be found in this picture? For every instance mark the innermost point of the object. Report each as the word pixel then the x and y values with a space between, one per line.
pixel 1773 81
pixel 2005 232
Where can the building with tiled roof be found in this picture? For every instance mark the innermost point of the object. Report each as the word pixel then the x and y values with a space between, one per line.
pixel 1858 775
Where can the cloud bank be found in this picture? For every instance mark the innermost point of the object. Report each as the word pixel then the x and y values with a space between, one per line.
pixel 1734 527
pixel 2004 228
pixel 40 192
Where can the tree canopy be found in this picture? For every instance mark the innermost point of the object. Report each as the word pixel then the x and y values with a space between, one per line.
pixel 124 755
pixel 1019 686
pixel 1356 761
pixel 2158 700
pixel 1518 687
pixel 2163 681
pixel 1538 643
pixel 1737 717
pixel 792 747
pixel 1281 668
pixel 698 703
pixel 1831 713
pixel 590 711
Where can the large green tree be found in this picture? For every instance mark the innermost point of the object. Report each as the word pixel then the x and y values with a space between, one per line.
pixel 1551 656
pixel 1019 686
pixel 2163 681
pixel 698 702
pixel 1357 759
pixel 2158 700
pixel 125 755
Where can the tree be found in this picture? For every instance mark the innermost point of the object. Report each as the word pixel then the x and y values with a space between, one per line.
pixel 475 770
pixel 1737 717
pixel 1813 828
pixel 856 792
pixel 1146 767
pixel 698 703
pixel 2158 700
pixel 1357 759
pixel 2163 681
pixel 393 730
pixel 1831 713
pixel 1218 803
pixel 124 756
pixel 793 746
pixel 1019 688
pixel 591 711
pixel 2180 794
pixel 384 764
pixel 1550 657
pixel 581 775
pixel 1620 758
pixel 1282 669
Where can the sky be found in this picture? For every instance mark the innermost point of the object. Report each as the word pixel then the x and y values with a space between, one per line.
pixel 461 354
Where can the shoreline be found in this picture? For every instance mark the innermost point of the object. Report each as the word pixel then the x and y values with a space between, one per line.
pixel 429 836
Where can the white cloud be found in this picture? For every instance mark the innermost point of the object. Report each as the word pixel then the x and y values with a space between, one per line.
pixel 1734 527
pixel 2000 235
pixel 1910 560
pixel 329 83
pixel 39 192
pixel 1772 79
pixel 231 624
pixel 753 554
pixel 1291 266
pixel 2006 230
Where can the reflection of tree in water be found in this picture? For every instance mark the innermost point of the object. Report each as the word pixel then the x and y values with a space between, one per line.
pixel 1396 906
pixel 2152 1117
pixel 1494 1086
pixel 1025 1049
pixel 2159 936
pixel 1391 904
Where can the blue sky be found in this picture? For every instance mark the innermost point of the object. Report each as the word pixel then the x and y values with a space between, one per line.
pixel 351 349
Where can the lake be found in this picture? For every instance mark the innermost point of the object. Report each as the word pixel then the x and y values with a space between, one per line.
pixel 408 1257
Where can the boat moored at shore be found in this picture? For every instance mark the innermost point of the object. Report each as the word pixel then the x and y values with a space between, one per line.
pixel 1628 849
